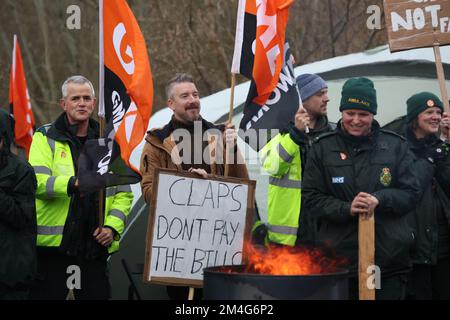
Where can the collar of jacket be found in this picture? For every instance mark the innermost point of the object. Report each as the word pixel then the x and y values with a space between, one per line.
pixel 160 138
pixel 362 142
pixel 421 144
pixel 61 130
pixel 167 130
pixel 321 125
pixel 167 146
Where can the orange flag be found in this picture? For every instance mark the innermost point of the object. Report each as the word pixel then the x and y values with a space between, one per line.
pixel 125 100
pixel 271 21
pixel 19 101
pixel 126 85
pixel 273 97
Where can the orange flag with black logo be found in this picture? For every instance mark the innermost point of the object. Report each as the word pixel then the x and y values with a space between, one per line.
pixel 271 22
pixel 273 97
pixel 19 101
pixel 126 97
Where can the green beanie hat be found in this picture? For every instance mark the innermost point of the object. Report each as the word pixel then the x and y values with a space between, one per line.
pixel 419 102
pixel 359 93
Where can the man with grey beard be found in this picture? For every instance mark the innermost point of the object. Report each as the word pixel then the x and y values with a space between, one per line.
pixel 183 145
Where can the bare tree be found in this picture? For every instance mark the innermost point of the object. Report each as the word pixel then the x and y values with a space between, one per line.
pixel 195 36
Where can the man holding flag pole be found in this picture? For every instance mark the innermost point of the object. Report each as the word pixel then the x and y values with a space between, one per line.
pixel 274 102
pixel 77 226
pixel 70 238
pixel 284 158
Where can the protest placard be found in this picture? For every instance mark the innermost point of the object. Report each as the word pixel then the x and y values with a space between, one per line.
pixel 417 24
pixel 196 223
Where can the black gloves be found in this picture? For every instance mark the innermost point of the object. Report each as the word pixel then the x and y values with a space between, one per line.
pixel 438 153
pixel 259 235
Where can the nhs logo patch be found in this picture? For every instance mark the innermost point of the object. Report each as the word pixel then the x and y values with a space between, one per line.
pixel 337 180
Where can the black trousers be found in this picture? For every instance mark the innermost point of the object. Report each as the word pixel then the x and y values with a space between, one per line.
pixel 393 287
pixel 56 272
pixel 431 282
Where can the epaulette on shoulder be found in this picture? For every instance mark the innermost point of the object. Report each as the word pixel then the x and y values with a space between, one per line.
pixel 392 133
pixel 44 129
pixel 324 135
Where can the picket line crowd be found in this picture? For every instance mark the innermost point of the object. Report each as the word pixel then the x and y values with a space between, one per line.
pixel 323 176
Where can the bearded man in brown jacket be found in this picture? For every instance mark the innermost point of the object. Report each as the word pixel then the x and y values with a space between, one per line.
pixel 188 143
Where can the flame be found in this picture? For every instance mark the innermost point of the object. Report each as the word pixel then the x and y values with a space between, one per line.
pixel 283 260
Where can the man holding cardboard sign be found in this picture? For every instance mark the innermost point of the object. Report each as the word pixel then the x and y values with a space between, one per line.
pixel 188 143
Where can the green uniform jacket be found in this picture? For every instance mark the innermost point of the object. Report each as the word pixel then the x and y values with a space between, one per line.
pixel 52 156
pixel 433 169
pixel 339 167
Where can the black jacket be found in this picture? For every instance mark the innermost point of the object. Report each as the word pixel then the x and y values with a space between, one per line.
pixel 17 217
pixel 305 140
pixel 433 169
pixel 339 167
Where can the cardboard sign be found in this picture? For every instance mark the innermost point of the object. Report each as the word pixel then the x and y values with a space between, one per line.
pixel 417 23
pixel 196 223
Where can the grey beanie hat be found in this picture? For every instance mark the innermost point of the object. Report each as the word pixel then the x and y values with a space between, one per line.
pixel 309 85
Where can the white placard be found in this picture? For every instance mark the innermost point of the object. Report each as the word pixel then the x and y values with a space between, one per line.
pixel 198 223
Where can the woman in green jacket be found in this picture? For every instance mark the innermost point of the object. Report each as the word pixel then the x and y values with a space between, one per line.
pixel 430 278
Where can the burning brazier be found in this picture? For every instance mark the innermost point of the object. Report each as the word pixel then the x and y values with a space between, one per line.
pixel 279 273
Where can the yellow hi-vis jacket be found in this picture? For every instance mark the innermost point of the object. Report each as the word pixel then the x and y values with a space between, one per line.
pixel 53 165
pixel 282 160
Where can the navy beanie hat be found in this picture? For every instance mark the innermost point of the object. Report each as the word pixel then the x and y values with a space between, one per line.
pixel 309 84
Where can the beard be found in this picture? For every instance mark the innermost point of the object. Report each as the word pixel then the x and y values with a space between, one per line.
pixel 319 113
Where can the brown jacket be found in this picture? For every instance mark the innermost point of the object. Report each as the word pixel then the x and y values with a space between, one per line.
pixel 158 154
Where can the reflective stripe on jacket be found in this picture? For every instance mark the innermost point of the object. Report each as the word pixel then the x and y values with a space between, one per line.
pixel 53 165
pixel 282 160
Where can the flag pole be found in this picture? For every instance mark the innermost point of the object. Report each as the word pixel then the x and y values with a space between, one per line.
pixel 233 84
pixel 191 293
pixel 101 193
pixel 101 108
pixel 228 153
pixel 441 79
